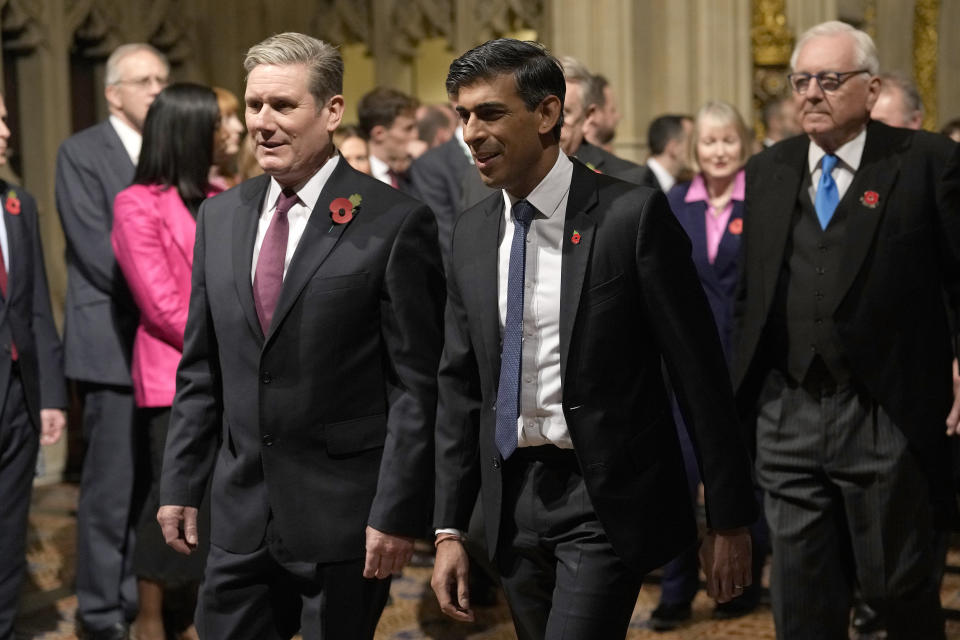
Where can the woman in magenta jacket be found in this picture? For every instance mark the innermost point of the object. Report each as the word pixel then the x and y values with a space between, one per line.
pixel 154 222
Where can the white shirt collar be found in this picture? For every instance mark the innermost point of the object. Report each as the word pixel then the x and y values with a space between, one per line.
pixel 547 196
pixel 129 136
pixel 849 154
pixel 380 170
pixel 664 177
pixel 309 193
pixel 458 134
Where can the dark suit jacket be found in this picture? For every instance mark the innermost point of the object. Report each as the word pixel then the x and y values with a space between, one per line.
pixel 25 315
pixel 603 161
pixel 719 279
pixel 901 253
pixel 326 422
pixel 649 179
pixel 630 296
pixel 437 176
pixel 101 317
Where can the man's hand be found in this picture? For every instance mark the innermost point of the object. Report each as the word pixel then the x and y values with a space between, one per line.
pixel 451 571
pixel 179 527
pixel 953 418
pixel 52 422
pixel 386 554
pixel 725 559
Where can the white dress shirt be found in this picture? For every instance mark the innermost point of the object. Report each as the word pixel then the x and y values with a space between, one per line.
pixel 298 215
pixel 130 137
pixel 664 177
pixel 540 419
pixel 848 161
pixel 380 170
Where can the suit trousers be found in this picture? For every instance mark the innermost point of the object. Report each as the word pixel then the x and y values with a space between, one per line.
pixel 253 596
pixel 106 513
pixel 561 575
pixel 19 443
pixel 847 505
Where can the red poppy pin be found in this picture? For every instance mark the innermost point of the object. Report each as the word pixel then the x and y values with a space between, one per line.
pixel 736 226
pixel 575 238
pixel 13 203
pixel 342 210
pixel 593 168
pixel 870 199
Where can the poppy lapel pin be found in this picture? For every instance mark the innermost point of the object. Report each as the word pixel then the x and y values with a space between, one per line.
pixel 12 204
pixel 736 226
pixel 575 238
pixel 343 210
pixel 870 199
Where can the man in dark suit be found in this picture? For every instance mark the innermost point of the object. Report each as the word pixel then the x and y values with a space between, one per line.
pixel 307 385
pixel 101 319
pixel 388 119
pixel 32 390
pixel 582 93
pixel 668 138
pixel 842 349
pixel 566 431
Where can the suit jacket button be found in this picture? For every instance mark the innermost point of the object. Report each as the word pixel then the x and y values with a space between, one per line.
pixel 496 463
pixel 266 378
pixel 267 440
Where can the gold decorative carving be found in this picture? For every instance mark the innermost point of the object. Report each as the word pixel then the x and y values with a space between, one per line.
pixel 771 39
pixel 926 15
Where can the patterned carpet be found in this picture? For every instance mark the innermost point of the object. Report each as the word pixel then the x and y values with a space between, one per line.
pixel 48 603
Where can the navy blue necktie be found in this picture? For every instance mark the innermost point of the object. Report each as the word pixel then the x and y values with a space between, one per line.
pixel 508 390
pixel 827 195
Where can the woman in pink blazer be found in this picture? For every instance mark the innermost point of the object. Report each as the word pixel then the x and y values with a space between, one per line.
pixel 154 222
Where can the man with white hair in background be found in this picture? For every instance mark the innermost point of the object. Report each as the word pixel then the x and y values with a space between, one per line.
pixel 899 103
pixel 842 357
pixel 101 319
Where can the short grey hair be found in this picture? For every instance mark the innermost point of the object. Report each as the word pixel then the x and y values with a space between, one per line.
pixel 112 76
pixel 912 101
pixel 865 49
pixel 321 59
pixel 591 90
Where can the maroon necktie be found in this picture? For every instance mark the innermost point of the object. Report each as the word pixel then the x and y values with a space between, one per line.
pixel 3 289
pixel 394 178
pixel 268 278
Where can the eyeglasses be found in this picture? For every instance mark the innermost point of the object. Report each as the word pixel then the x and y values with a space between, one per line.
pixel 146 81
pixel 829 81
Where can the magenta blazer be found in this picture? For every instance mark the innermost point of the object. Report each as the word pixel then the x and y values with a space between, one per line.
pixel 153 235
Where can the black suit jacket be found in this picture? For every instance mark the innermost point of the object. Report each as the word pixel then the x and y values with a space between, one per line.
pixel 629 298
pixel 25 315
pixel 603 161
pixel 101 316
pixel 902 251
pixel 649 179
pixel 325 423
pixel 437 176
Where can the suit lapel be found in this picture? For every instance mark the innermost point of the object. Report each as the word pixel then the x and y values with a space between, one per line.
pixel 482 273
pixel 244 235
pixel 575 256
pixel 772 210
pixel 729 249
pixel 318 239
pixel 878 171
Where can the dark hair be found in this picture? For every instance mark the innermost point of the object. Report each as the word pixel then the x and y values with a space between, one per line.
pixel 537 74
pixel 381 106
pixel 950 127
pixel 432 121
pixel 178 142
pixel 662 130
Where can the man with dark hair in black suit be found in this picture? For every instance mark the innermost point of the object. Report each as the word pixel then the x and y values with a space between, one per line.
pixel 567 291
pixel 668 139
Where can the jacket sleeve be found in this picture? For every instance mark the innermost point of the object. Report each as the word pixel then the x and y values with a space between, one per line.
pixel 137 239
pixel 411 312
pixel 192 439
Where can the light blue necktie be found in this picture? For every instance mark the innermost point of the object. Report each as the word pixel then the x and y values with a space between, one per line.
pixel 827 194
pixel 508 389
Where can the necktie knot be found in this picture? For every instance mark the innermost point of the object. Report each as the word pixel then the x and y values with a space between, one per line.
pixel 828 163
pixel 288 198
pixel 523 212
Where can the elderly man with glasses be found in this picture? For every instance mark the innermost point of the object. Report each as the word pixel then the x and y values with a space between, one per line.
pixel 101 318
pixel 842 362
